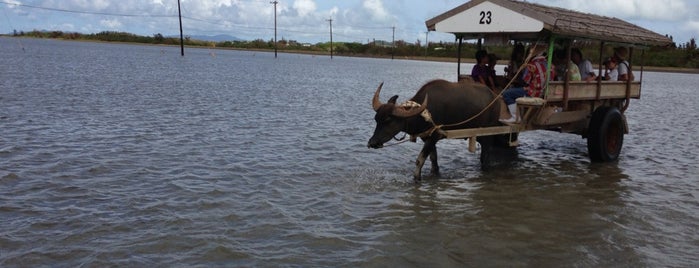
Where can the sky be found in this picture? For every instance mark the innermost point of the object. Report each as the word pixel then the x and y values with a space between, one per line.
pixel 308 20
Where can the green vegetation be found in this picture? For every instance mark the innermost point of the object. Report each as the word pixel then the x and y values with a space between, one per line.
pixel 683 55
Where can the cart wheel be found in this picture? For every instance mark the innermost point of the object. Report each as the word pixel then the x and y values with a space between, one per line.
pixel 605 135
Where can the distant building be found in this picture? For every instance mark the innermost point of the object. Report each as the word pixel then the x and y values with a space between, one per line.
pixel 382 43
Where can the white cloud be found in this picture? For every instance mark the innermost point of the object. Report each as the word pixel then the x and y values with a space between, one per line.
pixel 693 28
pixel 304 7
pixel 666 10
pixel 12 3
pixel 100 4
pixel 68 27
pixel 87 4
pixel 306 20
pixel 208 4
pixel 673 17
pixel 376 9
pixel 111 23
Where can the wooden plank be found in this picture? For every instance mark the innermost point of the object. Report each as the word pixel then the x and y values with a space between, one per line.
pixel 588 91
pixel 563 118
pixel 483 131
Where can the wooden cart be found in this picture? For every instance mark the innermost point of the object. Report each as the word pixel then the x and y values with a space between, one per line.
pixel 594 109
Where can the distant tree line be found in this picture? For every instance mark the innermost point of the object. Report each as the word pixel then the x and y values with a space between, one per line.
pixel 112 36
pixel 682 55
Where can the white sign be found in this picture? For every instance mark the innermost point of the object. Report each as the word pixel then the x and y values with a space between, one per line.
pixel 487 17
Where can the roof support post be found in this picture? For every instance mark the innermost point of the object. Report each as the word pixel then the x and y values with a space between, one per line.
pixel 566 79
pixel 458 55
pixel 549 65
pixel 600 77
pixel 643 63
pixel 628 81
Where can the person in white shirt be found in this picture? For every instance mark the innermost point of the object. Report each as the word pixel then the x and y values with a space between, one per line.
pixel 587 73
pixel 620 54
pixel 612 73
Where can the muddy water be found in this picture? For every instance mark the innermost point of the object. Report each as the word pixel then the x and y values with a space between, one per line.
pixel 124 155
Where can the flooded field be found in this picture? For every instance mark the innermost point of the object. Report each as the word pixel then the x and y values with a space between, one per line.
pixel 129 155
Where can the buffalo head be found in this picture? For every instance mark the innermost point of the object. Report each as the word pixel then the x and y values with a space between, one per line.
pixel 390 118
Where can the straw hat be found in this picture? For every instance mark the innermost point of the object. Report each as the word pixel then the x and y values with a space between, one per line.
pixel 621 52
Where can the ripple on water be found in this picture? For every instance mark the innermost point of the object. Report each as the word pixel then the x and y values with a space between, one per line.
pixel 111 165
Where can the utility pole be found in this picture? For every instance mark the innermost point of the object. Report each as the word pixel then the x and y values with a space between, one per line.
pixel 179 11
pixel 331 37
pixel 427 44
pixel 393 49
pixel 275 27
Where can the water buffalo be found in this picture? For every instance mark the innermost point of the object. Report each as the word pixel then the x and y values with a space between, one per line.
pixel 448 103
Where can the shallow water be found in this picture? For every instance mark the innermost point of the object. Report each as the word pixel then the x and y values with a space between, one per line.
pixel 129 155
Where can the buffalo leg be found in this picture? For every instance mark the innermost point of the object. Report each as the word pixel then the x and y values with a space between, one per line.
pixel 433 159
pixel 486 144
pixel 426 150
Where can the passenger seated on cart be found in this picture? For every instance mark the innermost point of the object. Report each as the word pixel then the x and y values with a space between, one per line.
pixel 534 78
pixel 565 67
pixel 587 72
pixel 611 72
pixel 480 72
pixel 516 60
pixel 492 60
pixel 620 54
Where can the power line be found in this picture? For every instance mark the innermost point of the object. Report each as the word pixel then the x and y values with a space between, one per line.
pixel 179 13
pixel 223 23
pixel 9 22
pixel 365 27
pixel 331 37
pixel 393 45
pixel 89 12
pixel 227 23
pixel 275 2
pixel 131 15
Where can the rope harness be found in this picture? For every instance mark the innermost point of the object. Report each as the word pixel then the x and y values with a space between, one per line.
pixel 438 128
pixel 425 115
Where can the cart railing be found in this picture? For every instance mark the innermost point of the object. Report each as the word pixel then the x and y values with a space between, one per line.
pixel 581 90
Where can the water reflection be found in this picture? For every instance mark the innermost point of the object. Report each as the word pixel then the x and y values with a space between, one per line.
pixel 506 221
pixel 605 174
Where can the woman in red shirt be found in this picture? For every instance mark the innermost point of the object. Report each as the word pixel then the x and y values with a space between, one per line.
pixel 534 78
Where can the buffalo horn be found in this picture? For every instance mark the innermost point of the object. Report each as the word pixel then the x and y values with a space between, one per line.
pixel 400 112
pixel 376 103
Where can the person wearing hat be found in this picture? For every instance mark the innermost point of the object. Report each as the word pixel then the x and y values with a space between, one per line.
pixel 534 79
pixel 620 54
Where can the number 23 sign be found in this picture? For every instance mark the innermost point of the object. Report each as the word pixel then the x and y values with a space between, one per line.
pixel 486 17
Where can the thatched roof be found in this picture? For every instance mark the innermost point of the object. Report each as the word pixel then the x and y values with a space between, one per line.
pixel 462 21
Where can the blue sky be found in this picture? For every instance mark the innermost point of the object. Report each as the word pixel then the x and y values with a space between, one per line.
pixel 307 20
